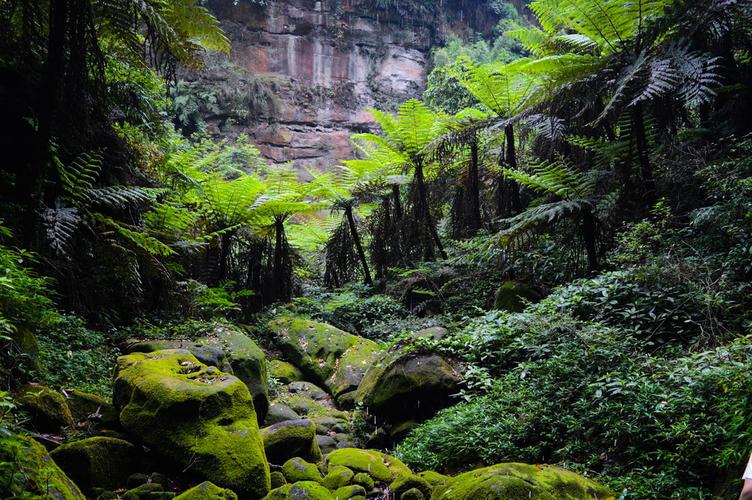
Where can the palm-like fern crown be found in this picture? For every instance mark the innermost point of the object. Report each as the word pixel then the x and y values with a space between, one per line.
pixel 181 28
pixel 406 136
pixel 504 89
pixel 585 26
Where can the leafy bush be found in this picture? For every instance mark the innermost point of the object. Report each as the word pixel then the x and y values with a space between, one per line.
pixel 74 356
pixel 585 395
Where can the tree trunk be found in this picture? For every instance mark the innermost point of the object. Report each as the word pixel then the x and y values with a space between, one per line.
pixel 511 157
pixel 358 245
pixel 425 212
pixel 279 274
pixel 397 202
pixel 646 169
pixel 474 194
pixel 588 238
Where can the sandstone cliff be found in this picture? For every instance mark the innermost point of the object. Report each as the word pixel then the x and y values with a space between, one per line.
pixel 303 72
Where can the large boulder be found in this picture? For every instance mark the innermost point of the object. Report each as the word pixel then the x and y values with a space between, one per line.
pixel 515 480
pixel 89 407
pixel 228 349
pixel 47 409
pixel 31 472
pixel 291 438
pixel 207 491
pixel 513 296
pixel 326 354
pixel 247 361
pixel 97 462
pixel 284 372
pixel 379 466
pixel 408 385
pixel 195 415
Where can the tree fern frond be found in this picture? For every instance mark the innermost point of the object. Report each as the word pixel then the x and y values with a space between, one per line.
pixel 60 226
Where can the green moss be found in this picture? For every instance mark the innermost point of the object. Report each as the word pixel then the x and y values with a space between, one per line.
pixel 292 438
pixel 413 494
pixel 93 407
pixel 352 365
pixel 521 481
pixel 302 490
pixel 309 407
pixel 381 467
pixel 284 372
pixel 277 479
pixel 337 477
pixel 47 408
pixel 296 469
pixel 97 462
pixel 347 492
pixel 207 491
pixel 512 296
pixel 434 478
pixel 409 481
pixel 248 363
pixel 364 480
pixel 27 468
pixel 195 415
pixel 407 385
pixel 280 493
pixel 150 491
pixel 311 346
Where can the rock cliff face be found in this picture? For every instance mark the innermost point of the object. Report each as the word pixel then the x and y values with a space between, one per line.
pixel 303 72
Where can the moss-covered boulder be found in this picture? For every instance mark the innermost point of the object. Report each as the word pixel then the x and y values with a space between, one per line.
pixel 46 408
pixel 228 349
pixel 150 491
pixel 26 343
pixel 515 480
pixel 284 372
pixel 364 480
pixel 97 462
pixel 434 478
pixel 247 360
pixel 94 408
pixel 296 469
pixel 291 438
pixel 347 492
pixel 380 466
pixel 337 477
pixel 327 355
pixel 512 296
pixel 413 494
pixel 351 367
pixel 28 471
pixel 278 479
pixel 302 490
pixel 195 415
pixel 279 412
pixel 403 386
pixel 207 491
pixel 406 482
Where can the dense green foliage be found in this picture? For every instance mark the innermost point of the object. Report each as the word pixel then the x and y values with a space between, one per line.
pixel 598 159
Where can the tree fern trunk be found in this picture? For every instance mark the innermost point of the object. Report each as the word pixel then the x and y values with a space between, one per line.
pixel 588 230
pixel 646 169
pixel 397 202
pixel 474 198
pixel 511 158
pixel 424 212
pixel 358 245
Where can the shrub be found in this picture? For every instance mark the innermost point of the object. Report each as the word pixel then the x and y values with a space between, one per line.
pixel 586 395
pixel 74 356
